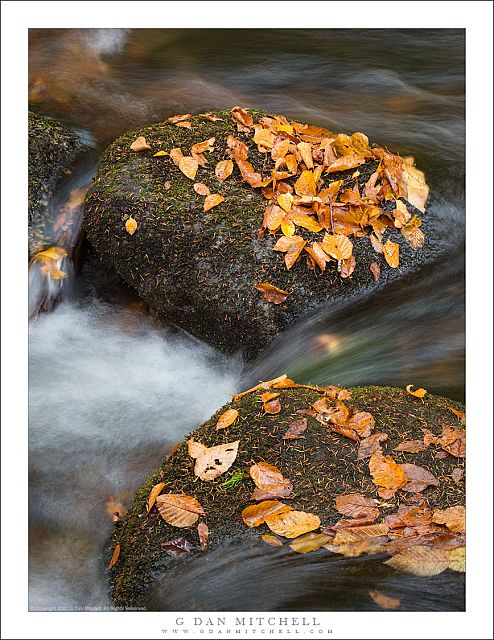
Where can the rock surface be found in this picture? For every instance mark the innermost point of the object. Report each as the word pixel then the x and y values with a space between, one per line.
pixel 321 465
pixel 198 269
pixel 52 148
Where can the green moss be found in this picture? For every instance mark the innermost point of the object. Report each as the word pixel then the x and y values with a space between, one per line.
pixel 321 465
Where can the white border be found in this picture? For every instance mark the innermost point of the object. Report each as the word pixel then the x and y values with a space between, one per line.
pixel 476 17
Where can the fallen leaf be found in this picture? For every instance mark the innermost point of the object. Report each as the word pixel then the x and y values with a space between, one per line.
pixel 305 150
pixel 131 226
pixel 212 462
pixel 160 154
pixel 285 201
pixel 201 189
pixel 419 393
pixel 140 144
pixel 292 246
pixel 309 542
pixel 179 510
pixel 188 166
pixel 273 541
pixel 168 184
pixel 114 558
pixel 354 549
pixel 401 214
pixel 458 414
pixel 292 524
pixel 115 510
pixel 296 429
pixel 411 446
pixel 203 147
pixel 376 244
pixel 272 407
pixel 454 518
pixel 457 560
pixel 306 184
pixel 457 474
pixel 175 155
pixel 271 293
pixel 413 234
pixel 453 441
pixel 421 561
pixel 223 169
pixel 352 534
pixel 153 494
pixel 347 267
pixel 337 246
pixel 270 480
pixel 385 472
pixel 210 116
pixel 255 514
pixel 349 161
pixel 384 601
pixel 226 419
pixel 370 445
pixel 391 252
pixel 177 548
pixel 417 478
pixel 179 118
pixel 362 422
pixel 356 505
pixel 416 188
pixel 212 200
pixel 203 533
pixel 243 119
pixel 316 252
pixel 376 270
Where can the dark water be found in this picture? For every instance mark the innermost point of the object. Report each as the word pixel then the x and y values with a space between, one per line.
pixel 110 390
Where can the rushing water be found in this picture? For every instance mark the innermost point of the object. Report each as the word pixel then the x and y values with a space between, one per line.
pixel 110 390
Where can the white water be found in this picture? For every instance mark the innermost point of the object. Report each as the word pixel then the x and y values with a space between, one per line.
pixel 109 395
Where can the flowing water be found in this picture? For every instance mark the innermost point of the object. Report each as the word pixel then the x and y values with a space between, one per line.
pixel 111 390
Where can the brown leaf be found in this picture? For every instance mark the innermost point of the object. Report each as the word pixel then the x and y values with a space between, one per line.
pixel 309 542
pixel 376 270
pixel 179 118
pixel 255 514
pixel 167 185
pixel 177 548
pixel 352 534
pixel 188 166
pixel 115 509
pixel 376 244
pixel 131 226
pixel 271 293
pixel 226 419
pixel 416 188
pixel 391 252
pixel 358 547
pixel 306 184
pixel 212 200
pixel 212 462
pixel 140 144
pixel 203 533
pixel 318 255
pixel 385 472
pixel 272 406
pixel 457 474
pixel 411 446
pixel 453 441
pixel 202 147
pixel 223 169
pixel 413 234
pixel 153 494
pixel 384 601
pixel 296 429
pixel 292 246
pixel 210 116
pixel 114 558
pixel 453 517
pixel 292 524
pixel 201 189
pixel 270 481
pixel 362 422
pixel 347 267
pixel 243 119
pixel 419 393
pixel 356 505
pixel 269 395
pixel 273 541
pixel 179 510
pixel 370 445
pixel 417 478
pixel 421 561
pixel 337 246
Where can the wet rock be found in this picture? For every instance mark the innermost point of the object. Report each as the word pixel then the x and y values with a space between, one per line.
pixel 320 464
pixel 197 269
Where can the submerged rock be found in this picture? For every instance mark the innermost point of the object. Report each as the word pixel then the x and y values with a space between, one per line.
pixel 199 268
pixel 52 148
pixel 321 464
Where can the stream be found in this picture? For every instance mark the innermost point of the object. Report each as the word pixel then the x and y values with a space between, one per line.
pixel 111 390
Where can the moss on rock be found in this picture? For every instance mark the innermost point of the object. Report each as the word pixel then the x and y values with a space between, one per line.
pixel 199 269
pixel 320 465
pixel 52 148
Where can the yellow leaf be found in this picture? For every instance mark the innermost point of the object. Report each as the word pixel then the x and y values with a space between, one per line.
pixel 154 493
pixel 273 541
pixel 140 144
pixel 308 542
pixel 223 169
pixel 226 419
pixel 285 201
pixel 293 523
pixel 391 252
pixel 419 393
pixel 175 155
pixel 457 560
pixel 131 226
pixel 255 514
pixel 202 147
pixel 188 166
pixel 287 226
pixel 413 234
pixel 159 154
pixel 212 200
pixel 114 558
pixel 306 184
pixel 385 472
pixel 211 462
pixel 337 246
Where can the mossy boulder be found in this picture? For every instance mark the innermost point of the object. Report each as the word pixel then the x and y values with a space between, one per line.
pixel 52 148
pixel 321 465
pixel 198 269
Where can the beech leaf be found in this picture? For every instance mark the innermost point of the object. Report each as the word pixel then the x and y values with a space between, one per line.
pixel 223 169
pixel 212 200
pixel 203 533
pixel 140 144
pixel 212 462
pixel 153 494
pixel 421 561
pixel 292 524
pixel 255 514
pixel 271 293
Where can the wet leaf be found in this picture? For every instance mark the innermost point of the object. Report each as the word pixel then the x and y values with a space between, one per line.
pixel 306 184
pixel 384 601
pixel 370 546
pixel 159 154
pixel 362 422
pixel 188 166
pixel 223 169
pixel 309 542
pixel 370 445
pixel 318 255
pixel 179 118
pixel 296 429
pixel 175 155
pixel 177 548
pixel 255 514
pixel 458 414
pixel 271 293
pixel 269 395
pixel 457 474
pixel 401 214
pixel 212 201
pixel 416 188
pixel 421 561
pixel 204 146
pixel 115 555
pixel 243 119
pixel 269 482
pixel 131 226
pixel 226 419
pixel 411 446
pixel 305 150
pixel 453 441
pixel 292 247
pixel 356 505
pixel 457 560
pixel 285 201
pixel 292 524
pixel 376 270
pixel 376 244
pixel 349 161
pixel 391 252
pixel 419 393
pixel 347 267
pixel 273 541
pixel 413 234
pixel 454 518
pixel 153 494
pixel 179 510
pixel 385 472
pixel 212 462
pixel 272 407
pixel 337 246
pixel 417 478
pixel 140 144
pixel 203 533
pixel 352 534
pixel 201 189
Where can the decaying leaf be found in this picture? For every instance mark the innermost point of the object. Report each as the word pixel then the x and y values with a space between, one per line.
pixel 357 547
pixel 115 509
pixel 203 147
pixel 413 234
pixel 411 446
pixel 153 494
pixel 417 478
pixel 296 429
pixel 201 189
pixel 376 270
pixel 177 548
pixel 385 472
pixel 457 474
pixel 175 155
pixel 223 169
pixel 203 533
pixel 179 510
pixel 243 119
pixel 226 419
pixel 454 518
pixel 452 441
pixel 309 542
pixel 273 541
pixel 292 524
pixel 272 406
pixel 255 514
pixel 131 226
pixel 421 561
pixel 384 601
pixel 271 293
pixel 269 481
pixel 212 200
pixel 356 505
pixel 370 445
pixel 211 462
pixel 179 118
pixel 115 555
pixel 391 252
pixel 140 144
pixel 418 393
pixel 188 166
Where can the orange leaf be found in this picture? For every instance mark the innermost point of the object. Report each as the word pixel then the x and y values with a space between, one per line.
pixel 114 558
pixel 212 201
pixel 285 201
pixel 255 514
pixel 356 505
pixel 419 393
pixel 210 116
pixel 140 144
pixel 384 601
pixel 269 480
pixel 306 152
pixel 453 518
pixel 348 267
pixel 309 542
pixel 318 255
pixel 211 462
pixel 179 510
pixel 292 524
pixel 242 118
pixel 153 494
pixel 420 561
pixel 306 184
pixel 202 147
pixel 271 293
pixel 296 429
pixel 337 246
pixel 459 414
pixel 201 189
pixel 180 118
pixel 188 166
pixel 223 169
pixel 385 472
pixel 175 155
pixel 226 419
pixel 273 541
pixel 391 252
pixel 292 246
pixel 349 161
pixel 411 446
pixel 376 270
pixel 272 406
pixel 131 226
pixel 269 395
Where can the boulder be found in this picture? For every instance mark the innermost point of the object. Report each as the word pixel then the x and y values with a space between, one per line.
pixel 52 148
pixel 321 465
pixel 198 269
